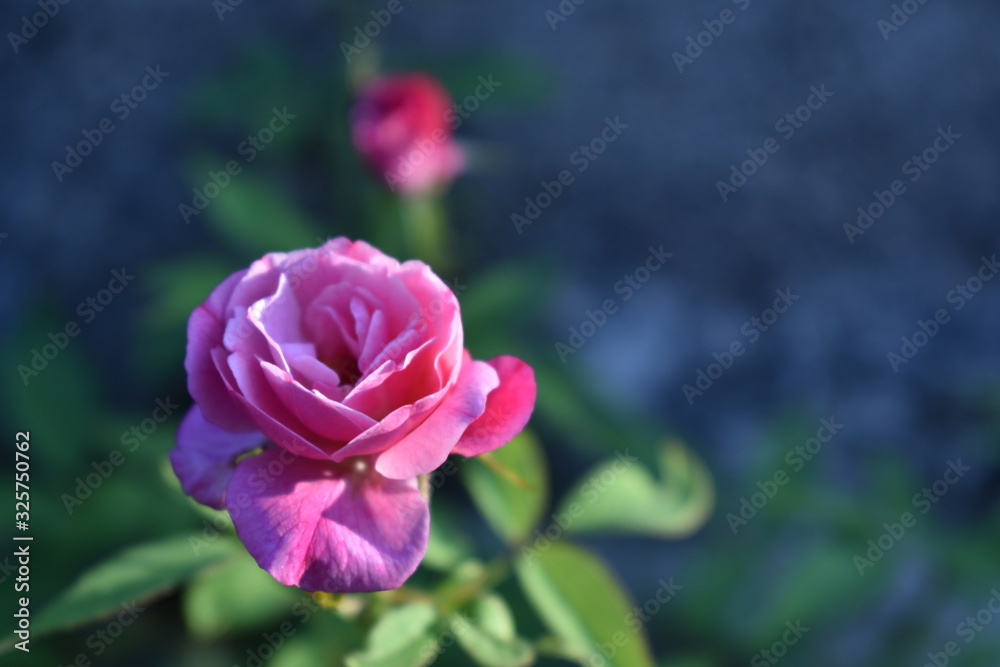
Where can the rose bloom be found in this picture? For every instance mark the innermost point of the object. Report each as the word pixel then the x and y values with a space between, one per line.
pixel 325 381
pixel 402 126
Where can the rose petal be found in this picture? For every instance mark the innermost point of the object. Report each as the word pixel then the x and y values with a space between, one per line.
pixel 204 333
pixel 393 385
pixel 277 317
pixel 392 428
pixel 259 281
pixel 428 445
pixel 508 408
pixel 322 531
pixel 373 280
pixel 314 374
pixel 329 419
pixel 205 457
pixel 375 339
pixel 270 415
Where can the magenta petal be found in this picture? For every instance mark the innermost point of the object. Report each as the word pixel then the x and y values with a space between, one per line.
pixel 329 419
pixel 205 331
pixel 508 408
pixel 277 318
pixel 390 429
pixel 428 445
pixel 270 415
pixel 313 528
pixel 205 456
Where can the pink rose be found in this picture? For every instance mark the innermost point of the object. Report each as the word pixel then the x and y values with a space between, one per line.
pixel 400 125
pixel 325 381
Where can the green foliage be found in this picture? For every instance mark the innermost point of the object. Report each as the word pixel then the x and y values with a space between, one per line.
pixel 137 573
pixel 174 289
pixel 465 591
pixel 582 604
pixel 235 597
pixel 488 634
pixel 65 382
pixel 513 499
pixel 402 637
pixel 621 495
pixel 589 423
pixel 254 217
pixel 447 545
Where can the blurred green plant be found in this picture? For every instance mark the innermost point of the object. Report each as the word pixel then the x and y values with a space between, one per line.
pixel 526 594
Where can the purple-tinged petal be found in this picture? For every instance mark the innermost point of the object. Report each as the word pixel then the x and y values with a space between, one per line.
pixel 508 408
pixel 205 457
pixel 329 419
pixel 277 318
pixel 271 416
pixel 391 429
pixel 428 445
pixel 259 280
pixel 205 331
pixel 326 528
pixel 393 384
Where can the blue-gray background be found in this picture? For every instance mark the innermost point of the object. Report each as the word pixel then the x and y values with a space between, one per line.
pixel 827 356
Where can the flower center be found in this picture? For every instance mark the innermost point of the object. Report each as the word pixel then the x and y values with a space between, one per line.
pixel 346 367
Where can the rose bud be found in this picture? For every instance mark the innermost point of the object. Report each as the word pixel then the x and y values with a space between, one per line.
pixel 401 125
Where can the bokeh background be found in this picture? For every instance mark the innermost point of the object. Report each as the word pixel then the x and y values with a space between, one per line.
pixel 891 92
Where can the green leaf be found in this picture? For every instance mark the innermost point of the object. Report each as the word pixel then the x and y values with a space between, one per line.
pixel 622 496
pixel 316 637
pixel 138 573
pixel 510 508
pixel 252 216
pixel 448 546
pixel 401 638
pixel 239 596
pixel 494 616
pixel 489 637
pixel 301 650
pixel 580 601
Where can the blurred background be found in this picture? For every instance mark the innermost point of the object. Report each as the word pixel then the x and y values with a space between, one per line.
pixel 823 334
